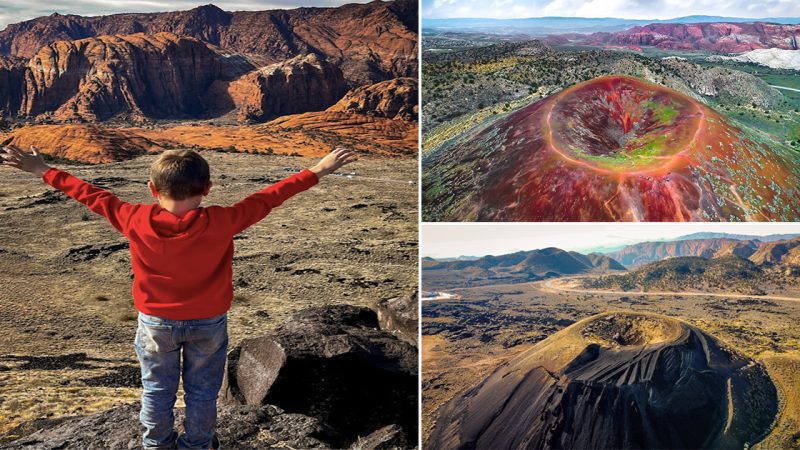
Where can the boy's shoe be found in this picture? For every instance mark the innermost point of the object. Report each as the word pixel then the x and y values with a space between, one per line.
pixel 214 442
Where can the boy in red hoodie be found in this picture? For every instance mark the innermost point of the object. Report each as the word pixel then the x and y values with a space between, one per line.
pixel 182 260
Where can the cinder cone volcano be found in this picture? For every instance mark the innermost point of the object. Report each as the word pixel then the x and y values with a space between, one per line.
pixel 615 380
pixel 613 148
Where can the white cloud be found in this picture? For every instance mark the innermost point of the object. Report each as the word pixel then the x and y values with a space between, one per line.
pixel 629 9
pixel 440 3
pixel 12 11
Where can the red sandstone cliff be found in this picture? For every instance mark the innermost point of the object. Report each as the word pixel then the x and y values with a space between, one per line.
pixel 715 37
pixel 301 84
pixel 390 99
pixel 369 42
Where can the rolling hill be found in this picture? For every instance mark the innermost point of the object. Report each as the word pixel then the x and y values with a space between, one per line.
pixel 688 273
pixel 516 267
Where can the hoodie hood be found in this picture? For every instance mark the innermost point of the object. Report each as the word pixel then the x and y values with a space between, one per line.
pixel 168 225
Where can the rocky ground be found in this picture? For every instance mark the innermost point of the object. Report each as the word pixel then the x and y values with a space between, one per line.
pixel 319 380
pixel 68 320
pixel 465 339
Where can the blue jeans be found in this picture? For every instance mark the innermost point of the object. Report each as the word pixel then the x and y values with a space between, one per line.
pixel 203 344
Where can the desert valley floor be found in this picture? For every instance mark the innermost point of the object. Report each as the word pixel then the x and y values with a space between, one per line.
pixel 68 319
pixel 468 336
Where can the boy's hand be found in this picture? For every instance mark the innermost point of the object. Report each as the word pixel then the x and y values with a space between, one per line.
pixel 333 161
pixel 29 162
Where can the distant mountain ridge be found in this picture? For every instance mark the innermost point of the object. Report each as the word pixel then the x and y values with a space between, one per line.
pixel 541 26
pixel 737 266
pixel 703 244
pixel 369 42
pixel 518 267
pixel 718 37
pixel 740 237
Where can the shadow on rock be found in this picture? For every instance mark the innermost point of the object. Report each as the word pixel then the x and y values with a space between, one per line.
pixel 332 363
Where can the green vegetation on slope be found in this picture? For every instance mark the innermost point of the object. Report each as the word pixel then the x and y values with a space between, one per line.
pixel 688 273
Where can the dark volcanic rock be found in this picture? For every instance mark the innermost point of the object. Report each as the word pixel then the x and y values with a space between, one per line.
pixel 399 316
pixel 337 381
pixel 388 437
pixel 334 364
pixel 615 380
pixel 256 363
pixel 238 427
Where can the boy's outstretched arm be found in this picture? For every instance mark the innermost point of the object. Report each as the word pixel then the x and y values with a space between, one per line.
pixel 98 200
pixel 256 206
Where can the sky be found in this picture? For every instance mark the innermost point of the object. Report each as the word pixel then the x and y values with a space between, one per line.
pixel 12 11
pixel 624 9
pixel 480 239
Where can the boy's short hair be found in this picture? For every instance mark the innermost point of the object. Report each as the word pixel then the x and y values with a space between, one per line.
pixel 180 174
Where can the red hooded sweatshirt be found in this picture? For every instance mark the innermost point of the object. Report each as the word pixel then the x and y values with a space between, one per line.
pixel 182 266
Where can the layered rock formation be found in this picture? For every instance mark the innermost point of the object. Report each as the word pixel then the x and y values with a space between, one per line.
pixel 781 252
pixel 310 134
pixel 301 84
pixel 138 78
pixel 12 78
pixel 390 99
pixel 614 381
pixel 167 76
pixel 370 42
pixel 758 251
pixel 86 143
pixel 646 252
pixel 162 75
pixel 740 249
pixel 251 66
pixel 712 36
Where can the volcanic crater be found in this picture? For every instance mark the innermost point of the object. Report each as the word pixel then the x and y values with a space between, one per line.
pixel 612 381
pixel 614 148
pixel 621 123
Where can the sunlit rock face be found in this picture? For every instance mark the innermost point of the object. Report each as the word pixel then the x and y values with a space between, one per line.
pixel 613 148
pixel 615 380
